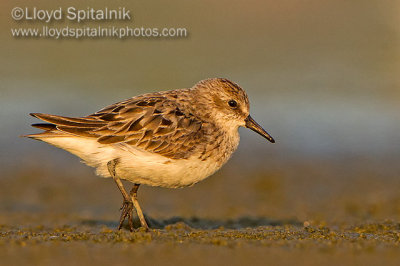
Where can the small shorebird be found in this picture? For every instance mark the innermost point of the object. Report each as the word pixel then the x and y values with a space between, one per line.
pixel 169 139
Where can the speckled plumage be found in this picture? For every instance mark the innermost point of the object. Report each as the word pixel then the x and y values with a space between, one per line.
pixel 172 139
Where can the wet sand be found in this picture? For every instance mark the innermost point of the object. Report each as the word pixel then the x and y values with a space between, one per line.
pixel 308 212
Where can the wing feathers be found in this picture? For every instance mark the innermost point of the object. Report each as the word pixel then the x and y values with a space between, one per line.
pixel 152 123
pixel 109 139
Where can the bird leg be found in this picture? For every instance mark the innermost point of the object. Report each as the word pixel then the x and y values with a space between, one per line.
pixel 127 205
pixel 139 212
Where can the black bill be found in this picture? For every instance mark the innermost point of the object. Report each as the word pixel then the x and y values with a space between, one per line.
pixel 250 123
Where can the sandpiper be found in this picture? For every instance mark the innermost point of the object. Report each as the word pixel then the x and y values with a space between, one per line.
pixel 169 139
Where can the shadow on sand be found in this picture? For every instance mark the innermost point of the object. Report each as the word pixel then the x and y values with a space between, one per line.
pixel 201 223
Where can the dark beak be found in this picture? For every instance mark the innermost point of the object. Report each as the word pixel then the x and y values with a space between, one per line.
pixel 250 123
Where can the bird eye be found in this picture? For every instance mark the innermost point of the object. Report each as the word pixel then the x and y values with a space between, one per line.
pixel 232 103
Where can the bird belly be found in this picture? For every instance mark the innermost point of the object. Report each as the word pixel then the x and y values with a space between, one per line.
pixel 155 170
pixel 136 165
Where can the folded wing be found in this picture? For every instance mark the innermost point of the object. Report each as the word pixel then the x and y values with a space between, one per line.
pixel 154 123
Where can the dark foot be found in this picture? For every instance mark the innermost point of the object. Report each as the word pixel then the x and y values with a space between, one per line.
pixel 126 212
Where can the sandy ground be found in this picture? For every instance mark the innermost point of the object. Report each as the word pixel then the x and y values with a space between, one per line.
pixel 303 212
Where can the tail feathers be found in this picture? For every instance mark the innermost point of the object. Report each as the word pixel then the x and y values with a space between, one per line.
pixel 45 134
pixel 45 126
pixel 89 122
pixel 58 126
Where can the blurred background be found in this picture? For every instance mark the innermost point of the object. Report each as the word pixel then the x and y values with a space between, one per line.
pixel 322 77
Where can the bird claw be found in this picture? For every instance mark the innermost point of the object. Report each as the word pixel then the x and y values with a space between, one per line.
pixel 126 212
